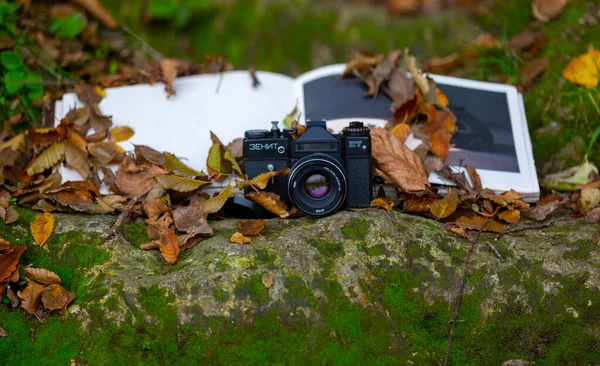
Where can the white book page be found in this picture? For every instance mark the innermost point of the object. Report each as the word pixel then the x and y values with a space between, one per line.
pixel 182 124
pixel 523 181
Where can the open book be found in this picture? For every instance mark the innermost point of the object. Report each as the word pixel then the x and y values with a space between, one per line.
pixel 492 130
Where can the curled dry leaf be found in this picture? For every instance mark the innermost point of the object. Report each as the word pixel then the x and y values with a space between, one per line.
pixel 478 222
pixel 268 280
pixel 42 275
pixel 174 165
pixel 271 202
pixel 446 206
pixel 42 227
pixel 30 296
pixel 137 179
pixel 47 159
pixel 9 261
pixel 510 216
pixel 397 161
pixel 546 10
pixel 215 204
pixel 540 213
pixel 239 238
pixel 155 208
pixel 590 197
pixel 457 230
pixel 190 219
pixel 179 183
pixel 251 227
pixel 145 154
pixel 169 245
pixel 361 62
pixel 380 202
pixel 4 245
pixel 475 178
pixel 120 133
pixel 55 297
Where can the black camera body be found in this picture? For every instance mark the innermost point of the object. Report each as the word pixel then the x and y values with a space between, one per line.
pixel 327 171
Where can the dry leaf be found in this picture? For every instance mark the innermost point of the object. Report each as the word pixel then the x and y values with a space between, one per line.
pixel 268 280
pixel 262 180
pixel 397 161
pixel 380 202
pixel 155 208
pixel 401 131
pixel 42 275
pixel 10 215
pixel 441 97
pixel 55 297
pixel 179 183
pixel 590 197
pixel 9 261
pixel 271 202
pixel 546 10
pixel 401 88
pixel 4 245
pixel 145 154
pixel 188 241
pixel 47 159
pixel 475 178
pixel 252 71
pixel 251 227
pixel 42 227
pixel 446 206
pixel 190 219
pixel 30 296
pixel 532 69
pixel 477 223
pixel 174 165
pixel 361 62
pixel 3 333
pixel 215 204
pixel 169 245
pixel 137 179
pixel 106 152
pixel 584 69
pixel 77 159
pixel 99 12
pixel 593 217
pixel 120 133
pixel 16 143
pixel 510 216
pixel 596 237
pixel 239 238
pixel 541 212
pixel 457 230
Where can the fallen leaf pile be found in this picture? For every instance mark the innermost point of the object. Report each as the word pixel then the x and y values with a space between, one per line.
pixel 39 293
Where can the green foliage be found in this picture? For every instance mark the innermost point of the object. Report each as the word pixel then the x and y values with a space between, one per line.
pixel 68 27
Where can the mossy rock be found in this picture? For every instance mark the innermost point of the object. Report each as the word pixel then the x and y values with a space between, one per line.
pixel 356 287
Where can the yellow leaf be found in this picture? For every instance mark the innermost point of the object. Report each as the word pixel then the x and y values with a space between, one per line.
pixel 99 91
pixel 169 245
pixel 214 204
pixel 446 206
pixel 271 202
pixel 239 238
pixel 477 223
pixel 380 202
pixel 179 183
pixel 42 227
pixel 42 275
pixel 213 162
pixel 15 143
pixel 55 297
pixel 30 296
pixel 230 158
pixel 583 70
pixel 262 180
pixel 251 227
pixel 510 216
pixel 401 131
pixel 120 133
pixel 47 159
pixel 441 97
pixel 175 165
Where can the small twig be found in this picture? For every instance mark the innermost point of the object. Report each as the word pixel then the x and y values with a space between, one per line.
pixel 461 288
pixel 152 51
pixel 122 217
pixel 532 227
pixel 494 250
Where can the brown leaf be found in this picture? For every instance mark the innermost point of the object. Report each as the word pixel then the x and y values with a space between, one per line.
pixel 271 202
pixel 145 154
pixel 107 153
pixel 415 204
pixel 532 69
pixel 3 333
pixel 540 213
pixel 179 183
pixel 477 223
pixel 239 238
pixel 593 217
pixel 4 245
pixel 120 133
pixel 400 88
pixel 596 237
pixel 15 143
pixel 47 159
pixel 9 261
pixel 397 161
pixel 457 230
pixel 155 208
pixel 137 179
pixel 446 206
pixel 475 178
pixel 190 219
pixel 169 245
pixel 361 62
pixel 30 296
pixel 401 131
pixel 42 227
pixel 188 241
pixel 43 136
pixel 590 198
pixel 14 299
pixel 268 280
pixel 380 202
pixel 168 68
pixel 214 204
pixel 510 216
pixel 77 159
pixel 55 297
pixel 262 180
pixel 251 227
pixel 42 275
pixel 546 10
pixel 99 12
pixel 110 180
pixel 10 215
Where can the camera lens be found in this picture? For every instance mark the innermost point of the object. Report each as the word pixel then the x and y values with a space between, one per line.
pixel 317 186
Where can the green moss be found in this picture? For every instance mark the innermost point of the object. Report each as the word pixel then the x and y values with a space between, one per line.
pixel 582 250
pixel 330 249
pixel 263 255
pixel 377 250
pixel 356 229
pixel 135 233
pixel 252 288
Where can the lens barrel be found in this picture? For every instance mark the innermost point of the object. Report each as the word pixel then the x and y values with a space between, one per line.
pixel 317 184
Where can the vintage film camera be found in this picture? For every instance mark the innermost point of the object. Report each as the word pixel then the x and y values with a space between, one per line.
pixel 327 171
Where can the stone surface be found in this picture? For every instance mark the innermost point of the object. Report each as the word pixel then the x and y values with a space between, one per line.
pixel 354 287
